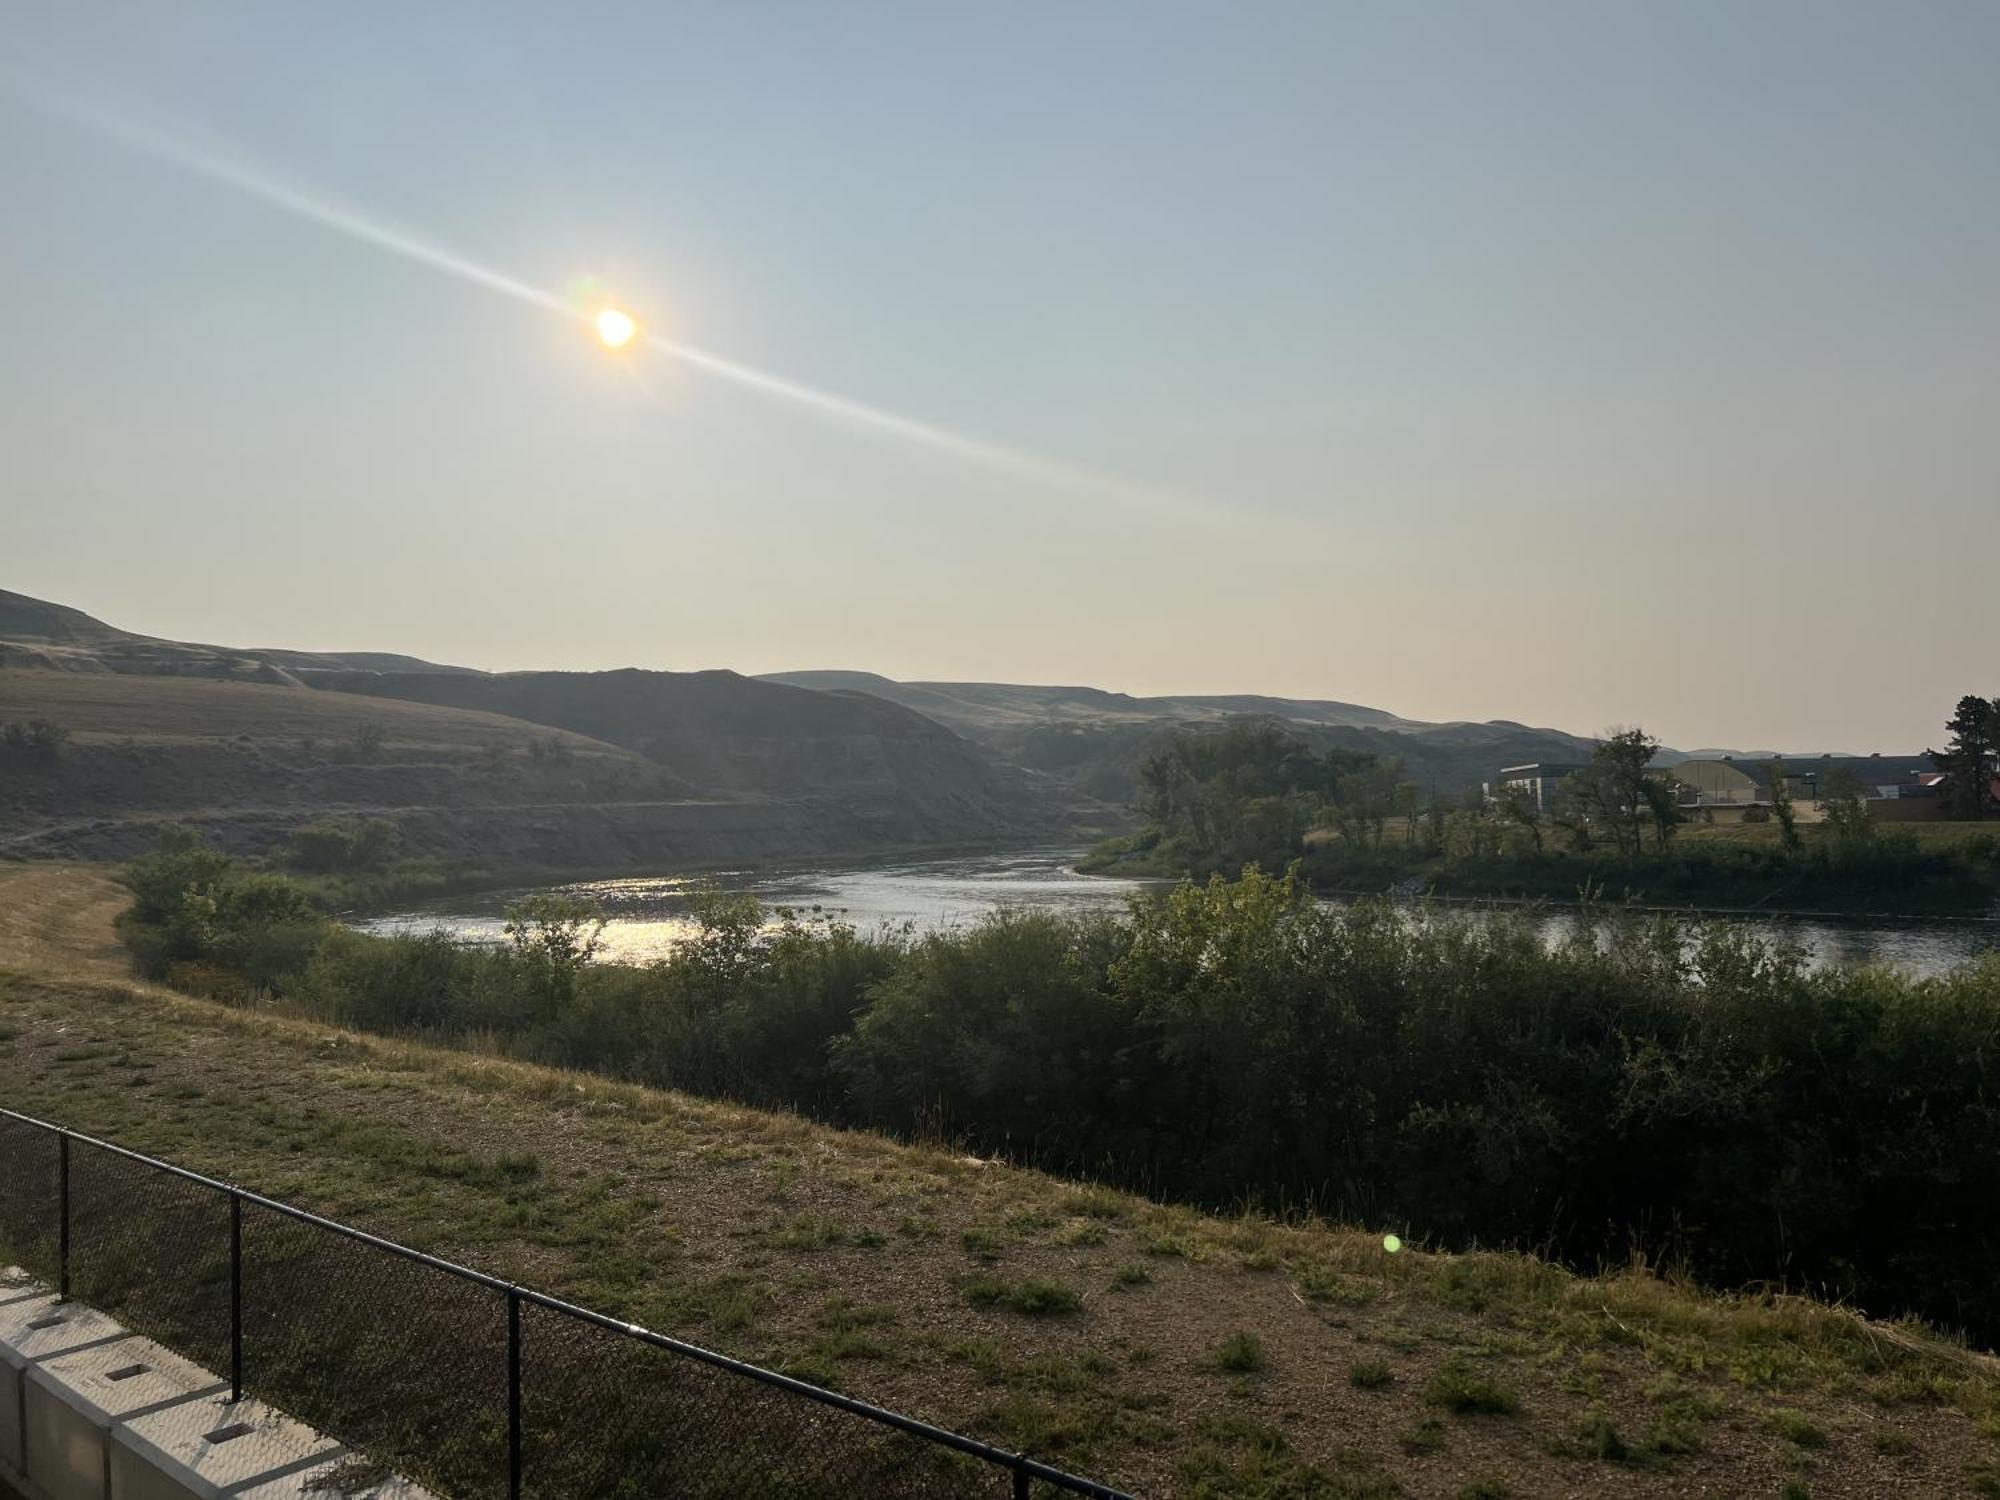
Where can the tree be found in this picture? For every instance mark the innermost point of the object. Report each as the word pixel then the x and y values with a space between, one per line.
pixel 1249 790
pixel 550 939
pixel 1515 804
pixel 1662 797
pixel 1363 800
pixel 1409 802
pixel 1967 760
pixel 1615 793
pixel 1844 799
pixel 1781 806
pixel 37 744
pixel 181 866
pixel 333 846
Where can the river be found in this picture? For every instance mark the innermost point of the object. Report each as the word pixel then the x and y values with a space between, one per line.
pixel 648 915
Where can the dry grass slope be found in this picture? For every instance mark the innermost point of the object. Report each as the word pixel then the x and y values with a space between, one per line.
pixel 189 708
pixel 1175 1352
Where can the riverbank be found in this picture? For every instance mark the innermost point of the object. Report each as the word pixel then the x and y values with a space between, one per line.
pixel 649 914
pixel 1485 1080
pixel 1180 1354
pixel 1947 870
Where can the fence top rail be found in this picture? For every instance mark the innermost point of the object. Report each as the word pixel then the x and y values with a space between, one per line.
pixel 1019 1463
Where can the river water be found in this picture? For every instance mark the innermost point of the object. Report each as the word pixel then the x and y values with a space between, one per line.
pixel 648 915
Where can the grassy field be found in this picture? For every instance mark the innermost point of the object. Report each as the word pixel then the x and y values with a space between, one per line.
pixel 109 706
pixel 1943 834
pixel 1173 1352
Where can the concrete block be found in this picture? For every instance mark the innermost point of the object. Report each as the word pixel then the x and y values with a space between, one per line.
pixel 110 1415
pixel 71 1403
pixel 36 1326
pixel 343 1479
pixel 202 1450
pixel 16 1286
pixel 16 1283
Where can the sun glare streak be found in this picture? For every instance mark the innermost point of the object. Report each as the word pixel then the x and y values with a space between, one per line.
pixel 613 327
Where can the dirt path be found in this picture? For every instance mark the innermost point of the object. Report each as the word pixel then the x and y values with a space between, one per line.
pixel 58 921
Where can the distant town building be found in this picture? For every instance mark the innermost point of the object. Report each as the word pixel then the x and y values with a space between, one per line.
pixel 1540 778
pixel 1729 790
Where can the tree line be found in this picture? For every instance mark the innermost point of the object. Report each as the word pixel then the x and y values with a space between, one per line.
pixel 1253 793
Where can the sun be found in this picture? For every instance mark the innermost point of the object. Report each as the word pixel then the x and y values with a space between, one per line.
pixel 615 328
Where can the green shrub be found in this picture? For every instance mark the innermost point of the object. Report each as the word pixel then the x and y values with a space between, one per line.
pixel 1460 1388
pixel 1033 1298
pixel 1370 1375
pixel 1795 1427
pixel 1242 1353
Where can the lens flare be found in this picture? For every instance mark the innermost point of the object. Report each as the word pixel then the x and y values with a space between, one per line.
pixel 615 328
pixel 1392 1243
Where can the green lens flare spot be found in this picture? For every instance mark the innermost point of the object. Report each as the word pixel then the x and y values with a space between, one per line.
pixel 1392 1243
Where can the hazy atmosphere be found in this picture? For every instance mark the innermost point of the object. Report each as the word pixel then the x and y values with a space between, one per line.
pixel 1208 752
pixel 1576 364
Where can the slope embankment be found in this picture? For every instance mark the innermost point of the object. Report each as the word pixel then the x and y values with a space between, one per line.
pixel 1176 1353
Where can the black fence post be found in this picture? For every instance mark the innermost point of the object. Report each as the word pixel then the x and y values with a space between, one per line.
pixel 1020 1484
pixel 513 1393
pixel 62 1234
pixel 235 1296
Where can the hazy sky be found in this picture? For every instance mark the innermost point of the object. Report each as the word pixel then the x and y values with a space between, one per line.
pixel 1580 364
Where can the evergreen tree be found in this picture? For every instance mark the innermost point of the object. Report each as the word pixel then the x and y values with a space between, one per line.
pixel 1968 757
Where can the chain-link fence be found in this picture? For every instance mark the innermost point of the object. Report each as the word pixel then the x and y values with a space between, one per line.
pixel 465 1383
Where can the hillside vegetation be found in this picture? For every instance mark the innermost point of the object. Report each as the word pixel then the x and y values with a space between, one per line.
pixel 1096 741
pixel 573 770
pixel 738 735
pixel 250 762
pixel 1176 1353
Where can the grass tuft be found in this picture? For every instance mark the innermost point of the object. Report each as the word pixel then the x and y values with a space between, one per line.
pixel 1242 1353
pixel 1370 1375
pixel 1460 1388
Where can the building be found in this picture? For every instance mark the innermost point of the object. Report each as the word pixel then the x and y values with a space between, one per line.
pixel 1731 790
pixel 1540 778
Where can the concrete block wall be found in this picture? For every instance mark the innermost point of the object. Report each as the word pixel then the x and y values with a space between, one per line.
pixel 92 1411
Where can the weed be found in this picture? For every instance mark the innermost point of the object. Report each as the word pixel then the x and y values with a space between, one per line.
pixel 1370 1375
pixel 981 1244
pixel 1242 1353
pixel 1458 1387
pixel 1033 1298
pixel 1426 1437
pixel 810 1232
pixel 1795 1426
pixel 1095 1203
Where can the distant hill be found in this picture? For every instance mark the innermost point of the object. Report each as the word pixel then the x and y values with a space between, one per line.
pixel 1095 740
pixel 576 768
pixel 735 734
pixel 585 767
pixel 54 637
pixel 250 761
pixel 982 709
